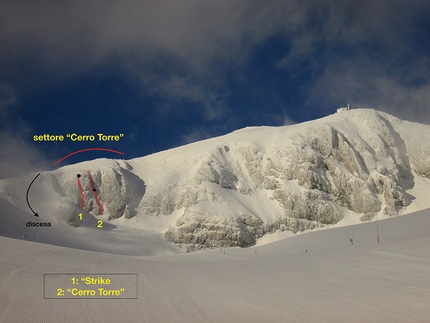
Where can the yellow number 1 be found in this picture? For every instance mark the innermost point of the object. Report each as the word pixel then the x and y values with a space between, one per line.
pixel 80 216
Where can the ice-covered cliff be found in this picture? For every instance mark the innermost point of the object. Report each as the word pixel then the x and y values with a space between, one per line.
pixel 232 190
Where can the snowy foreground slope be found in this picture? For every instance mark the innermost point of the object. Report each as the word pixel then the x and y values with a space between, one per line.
pixel 311 200
pixel 232 190
pixel 333 282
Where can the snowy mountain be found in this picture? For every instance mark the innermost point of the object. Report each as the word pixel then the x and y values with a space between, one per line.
pixel 231 190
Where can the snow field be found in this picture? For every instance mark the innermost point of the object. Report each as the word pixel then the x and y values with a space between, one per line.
pixel 234 189
pixel 278 282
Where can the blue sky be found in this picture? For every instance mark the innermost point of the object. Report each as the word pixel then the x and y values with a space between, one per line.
pixel 166 73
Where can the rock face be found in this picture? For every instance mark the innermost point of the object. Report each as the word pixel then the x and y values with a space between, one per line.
pixel 234 189
pixel 114 188
pixel 313 173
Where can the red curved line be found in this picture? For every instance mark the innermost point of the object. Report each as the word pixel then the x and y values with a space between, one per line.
pixel 87 149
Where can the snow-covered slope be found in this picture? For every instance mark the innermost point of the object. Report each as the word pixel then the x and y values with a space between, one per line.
pixel 333 281
pixel 232 190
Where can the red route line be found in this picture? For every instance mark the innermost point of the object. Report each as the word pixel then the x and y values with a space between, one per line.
pixel 82 192
pixel 87 149
pixel 95 194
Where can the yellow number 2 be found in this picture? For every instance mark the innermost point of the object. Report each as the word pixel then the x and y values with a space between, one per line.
pixel 100 224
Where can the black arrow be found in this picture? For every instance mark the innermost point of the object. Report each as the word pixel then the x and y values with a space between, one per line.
pixel 28 189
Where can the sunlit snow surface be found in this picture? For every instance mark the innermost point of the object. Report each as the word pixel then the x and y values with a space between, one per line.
pixel 237 189
pixel 333 281
pixel 311 276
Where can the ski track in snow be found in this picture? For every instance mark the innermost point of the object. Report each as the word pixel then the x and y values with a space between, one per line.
pixel 279 282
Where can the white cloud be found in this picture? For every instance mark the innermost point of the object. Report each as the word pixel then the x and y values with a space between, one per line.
pixel 288 121
pixel 196 135
pixel 7 101
pixel 18 157
pixel 363 83
pixel 153 40
pixel 185 50
pixel 201 133
pixel 364 53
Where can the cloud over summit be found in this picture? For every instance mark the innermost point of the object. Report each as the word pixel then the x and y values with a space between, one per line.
pixel 217 64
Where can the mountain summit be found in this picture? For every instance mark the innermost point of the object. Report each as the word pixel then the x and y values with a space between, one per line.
pixel 234 189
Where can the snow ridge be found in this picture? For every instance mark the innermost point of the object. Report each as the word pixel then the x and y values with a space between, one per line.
pixel 234 189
